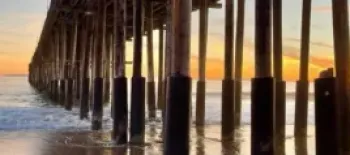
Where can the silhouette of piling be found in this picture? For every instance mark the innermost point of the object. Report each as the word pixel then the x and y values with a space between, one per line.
pixel 150 64
pixel 302 91
pixel 120 90
pixel 137 128
pixel 203 39
pixel 325 114
pixel 179 82
pixel 262 117
pixel 227 117
pixel 341 57
pixel 280 85
pixel 239 62
pixel 97 111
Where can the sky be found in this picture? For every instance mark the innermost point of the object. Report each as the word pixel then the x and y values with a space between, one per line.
pixel 21 22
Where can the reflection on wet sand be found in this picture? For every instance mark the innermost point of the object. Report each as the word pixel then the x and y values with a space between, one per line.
pixel 232 146
pixel 137 151
pixel 200 141
pixel 228 147
pixel 204 141
pixel 301 146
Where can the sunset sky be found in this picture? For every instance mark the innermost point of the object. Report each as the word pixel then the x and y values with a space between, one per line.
pixel 21 23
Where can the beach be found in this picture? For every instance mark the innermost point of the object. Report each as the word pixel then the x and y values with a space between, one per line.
pixel 32 125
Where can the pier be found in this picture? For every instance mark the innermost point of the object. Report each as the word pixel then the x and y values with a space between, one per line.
pixel 80 61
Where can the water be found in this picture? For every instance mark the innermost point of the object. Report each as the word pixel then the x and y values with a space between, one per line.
pixel 31 125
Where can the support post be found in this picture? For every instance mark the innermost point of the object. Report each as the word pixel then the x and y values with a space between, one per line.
pixel 262 117
pixel 203 39
pixel 63 54
pixel 107 68
pixel 86 47
pixel 325 116
pixel 302 91
pixel 70 64
pixel 107 60
pixel 137 128
pixel 239 62
pixel 161 95
pixel 168 61
pixel 78 61
pixel 57 64
pixel 227 116
pixel 180 82
pixel 53 76
pixel 150 83
pixel 120 86
pixel 280 85
pixel 342 63
pixel 97 111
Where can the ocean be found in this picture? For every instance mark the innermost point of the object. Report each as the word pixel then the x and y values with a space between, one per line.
pixel 30 124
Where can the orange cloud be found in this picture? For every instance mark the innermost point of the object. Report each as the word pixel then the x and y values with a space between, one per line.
pixel 314 43
pixel 322 8
pixel 215 69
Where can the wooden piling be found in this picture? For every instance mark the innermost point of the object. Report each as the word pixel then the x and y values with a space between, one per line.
pixel 137 128
pixel 179 82
pixel 325 116
pixel 168 52
pixel 150 64
pixel 63 49
pixel 227 116
pixel 86 44
pixel 120 86
pixel 262 117
pixel 203 39
pixel 302 91
pixel 53 52
pixel 280 85
pixel 70 64
pixel 107 60
pixel 239 62
pixel 78 60
pixel 161 95
pixel 168 62
pixel 107 67
pixel 57 64
pixel 97 111
pixel 341 51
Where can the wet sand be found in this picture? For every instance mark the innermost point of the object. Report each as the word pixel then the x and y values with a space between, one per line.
pixel 203 142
